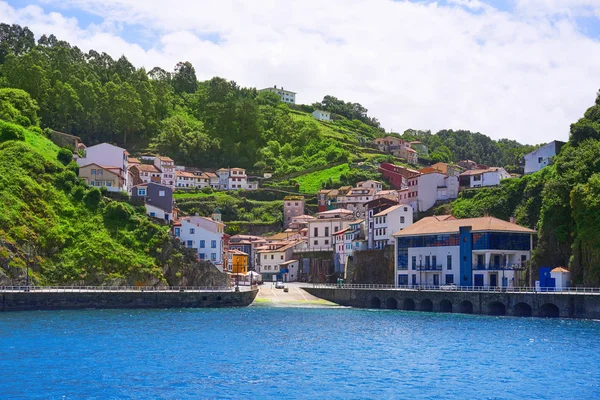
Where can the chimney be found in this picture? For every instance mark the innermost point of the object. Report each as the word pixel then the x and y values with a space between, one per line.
pixel 513 220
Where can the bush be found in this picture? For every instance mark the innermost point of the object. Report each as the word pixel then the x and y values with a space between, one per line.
pixel 65 156
pixel 23 121
pixel 11 132
pixel 35 129
pixel 117 212
pixel 73 166
pixel 207 190
pixel 65 180
pixel 78 192
pixel 92 197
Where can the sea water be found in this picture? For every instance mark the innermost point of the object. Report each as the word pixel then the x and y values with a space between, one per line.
pixel 313 353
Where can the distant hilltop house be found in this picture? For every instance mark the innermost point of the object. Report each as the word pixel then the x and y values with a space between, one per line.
pixel 322 115
pixel 285 95
pixel 542 157
pixel 397 147
pixel 483 177
pixel 235 178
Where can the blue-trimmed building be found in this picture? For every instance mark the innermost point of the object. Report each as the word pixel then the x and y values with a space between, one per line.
pixel 481 252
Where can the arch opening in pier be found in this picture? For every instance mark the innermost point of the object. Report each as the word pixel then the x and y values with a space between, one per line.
pixel 445 306
pixel 522 310
pixel 549 310
pixel 465 307
pixel 408 305
pixel 426 305
pixel 496 308
pixel 375 302
pixel 391 303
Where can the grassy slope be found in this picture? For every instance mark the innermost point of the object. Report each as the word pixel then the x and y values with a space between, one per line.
pixel 311 183
pixel 61 239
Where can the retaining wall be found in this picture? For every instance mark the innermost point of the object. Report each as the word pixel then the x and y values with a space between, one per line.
pixel 567 305
pixel 21 301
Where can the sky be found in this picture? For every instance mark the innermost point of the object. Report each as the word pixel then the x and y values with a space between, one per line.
pixel 517 69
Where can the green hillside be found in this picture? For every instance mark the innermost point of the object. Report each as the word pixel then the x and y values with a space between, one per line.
pixel 66 232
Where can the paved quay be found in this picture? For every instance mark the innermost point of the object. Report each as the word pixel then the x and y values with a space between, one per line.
pixel 295 297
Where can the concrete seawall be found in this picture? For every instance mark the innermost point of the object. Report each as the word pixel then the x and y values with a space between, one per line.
pixel 41 300
pixel 562 305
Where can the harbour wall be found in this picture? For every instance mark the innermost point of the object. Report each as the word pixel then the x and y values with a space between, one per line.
pixel 545 304
pixel 71 300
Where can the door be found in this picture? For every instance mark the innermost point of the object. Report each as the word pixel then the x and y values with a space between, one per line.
pixel 478 280
pixel 436 280
pixel 493 279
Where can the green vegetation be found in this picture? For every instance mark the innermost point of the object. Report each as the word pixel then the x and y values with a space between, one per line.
pixel 65 232
pixel 311 183
pixel 561 201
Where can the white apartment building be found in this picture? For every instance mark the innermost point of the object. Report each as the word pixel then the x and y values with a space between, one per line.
pixel 483 177
pixel 285 95
pixel 346 242
pixel 233 179
pixel 390 221
pixel 203 234
pixel 167 168
pixel 355 200
pixel 321 229
pixel 191 180
pixel 273 263
pixel 426 188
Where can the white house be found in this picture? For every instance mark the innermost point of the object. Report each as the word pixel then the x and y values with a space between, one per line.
pixel 167 168
pixel 562 277
pixel 273 262
pixel 285 95
pixel 480 252
pixel 426 188
pixel 370 184
pixel 186 179
pixel 322 115
pixel 390 221
pixel 203 234
pixel 346 242
pixel 109 156
pixel 321 229
pixel 483 177
pixel 541 157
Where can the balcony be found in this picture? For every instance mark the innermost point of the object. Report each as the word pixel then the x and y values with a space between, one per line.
pixel 429 268
pixel 498 267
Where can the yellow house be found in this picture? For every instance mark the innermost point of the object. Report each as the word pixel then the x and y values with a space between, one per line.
pixel 238 261
pixel 99 176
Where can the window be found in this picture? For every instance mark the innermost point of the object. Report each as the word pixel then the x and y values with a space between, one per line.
pixel 427 260
pixel 540 159
pixel 153 214
pixel 414 262
pixel 405 208
pixel 434 261
pixel 335 228
pixel 414 279
pixel 449 262
pixel 177 232
pixel 93 172
pixel 403 280
pixel 99 172
pixel 272 256
pixel 213 256
pixel 213 244
pixel 161 193
pixel 265 257
pixel 202 244
pixel 449 279
pixel 316 242
pixel 192 231
pixel 326 242
pixel 326 231
pixel 190 243
pixel 282 257
pixel 401 220
pixel 316 232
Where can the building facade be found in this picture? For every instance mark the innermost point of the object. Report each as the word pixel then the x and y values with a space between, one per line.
pixel 285 95
pixel 293 206
pixel 390 221
pixel 483 177
pixel 322 115
pixel 203 234
pixel 474 252
pixel 542 157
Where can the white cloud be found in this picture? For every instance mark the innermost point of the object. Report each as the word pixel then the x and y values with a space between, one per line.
pixel 525 76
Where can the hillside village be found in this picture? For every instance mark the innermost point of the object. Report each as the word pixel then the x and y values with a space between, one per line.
pixel 348 220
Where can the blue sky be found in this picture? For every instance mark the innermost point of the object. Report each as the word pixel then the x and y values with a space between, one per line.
pixel 520 69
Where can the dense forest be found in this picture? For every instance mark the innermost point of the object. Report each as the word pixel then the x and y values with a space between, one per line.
pixel 562 201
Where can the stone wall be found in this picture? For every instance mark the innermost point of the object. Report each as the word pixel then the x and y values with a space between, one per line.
pixel 21 301
pixel 565 305
pixel 372 266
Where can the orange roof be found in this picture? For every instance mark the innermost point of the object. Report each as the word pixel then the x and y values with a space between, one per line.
pixel 559 269
pixel 164 158
pixel 184 173
pixel 133 160
pixel 449 224
pixel 148 168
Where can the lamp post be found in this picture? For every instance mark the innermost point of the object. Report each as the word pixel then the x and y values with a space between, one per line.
pixel 420 270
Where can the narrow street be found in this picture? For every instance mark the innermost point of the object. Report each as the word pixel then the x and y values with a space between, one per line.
pixel 295 297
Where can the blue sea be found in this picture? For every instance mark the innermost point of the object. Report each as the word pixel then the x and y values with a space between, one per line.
pixel 293 353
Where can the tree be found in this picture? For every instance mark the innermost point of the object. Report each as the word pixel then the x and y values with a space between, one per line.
pixel 184 78
pixel 15 40
pixel 65 156
pixel 15 103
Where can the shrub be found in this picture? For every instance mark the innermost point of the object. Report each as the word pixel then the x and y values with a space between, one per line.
pixel 65 180
pixel 92 197
pixel 35 129
pixel 117 212
pixel 65 156
pixel 23 121
pixel 11 132
pixel 73 166
pixel 78 192
pixel 207 190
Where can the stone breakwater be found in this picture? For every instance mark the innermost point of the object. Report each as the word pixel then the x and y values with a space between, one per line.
pixel 558 305
pixel 42 300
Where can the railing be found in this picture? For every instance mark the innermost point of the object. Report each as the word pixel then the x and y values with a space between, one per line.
pixel 429 267
pixel 82 289
pixel 310 249
pixel 497 267
pixel 453 288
